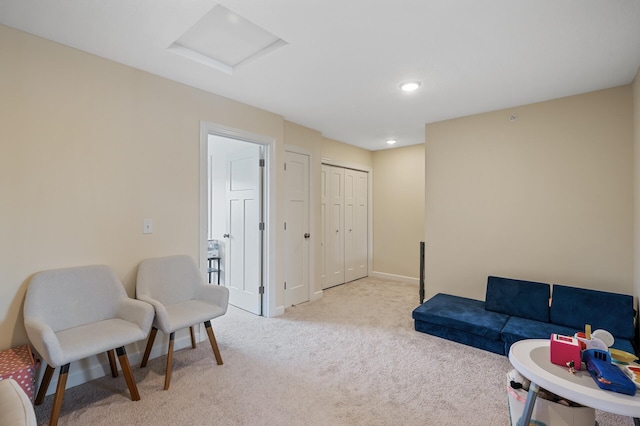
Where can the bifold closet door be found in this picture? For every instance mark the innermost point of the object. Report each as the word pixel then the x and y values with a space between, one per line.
pixel 344 217
pixel 355 224
pixel 333 201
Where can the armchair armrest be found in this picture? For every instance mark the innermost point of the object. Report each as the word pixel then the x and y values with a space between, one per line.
pixel 218 295
pixel 137 312
pixel 161 315
pixel 44 341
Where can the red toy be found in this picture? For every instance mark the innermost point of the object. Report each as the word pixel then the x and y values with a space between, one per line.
pixel 565 351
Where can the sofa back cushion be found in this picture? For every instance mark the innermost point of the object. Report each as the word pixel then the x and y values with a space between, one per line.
pixel 575 307
pixel 525 299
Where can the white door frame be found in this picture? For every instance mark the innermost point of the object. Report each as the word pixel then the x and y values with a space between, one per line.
pixel 268 245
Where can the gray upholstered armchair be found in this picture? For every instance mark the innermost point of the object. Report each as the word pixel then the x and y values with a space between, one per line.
pixel 176 289
pixel 74 313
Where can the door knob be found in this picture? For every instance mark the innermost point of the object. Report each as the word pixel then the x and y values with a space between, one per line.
pixel 307 235
pixel 225 235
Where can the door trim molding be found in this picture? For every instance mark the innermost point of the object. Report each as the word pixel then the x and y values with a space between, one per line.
pixel 209 128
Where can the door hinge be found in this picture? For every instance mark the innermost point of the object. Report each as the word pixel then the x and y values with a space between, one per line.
pixel 285 285
pixel 261 163
pixel 285 226
pixel 261 289
pixel 285 167
pixel 261 226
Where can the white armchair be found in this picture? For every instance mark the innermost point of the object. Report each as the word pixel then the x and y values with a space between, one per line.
pixel 15 406
pixel 74 313
pixel 177 291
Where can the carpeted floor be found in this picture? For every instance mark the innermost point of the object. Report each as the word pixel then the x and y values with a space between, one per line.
pixel 351 358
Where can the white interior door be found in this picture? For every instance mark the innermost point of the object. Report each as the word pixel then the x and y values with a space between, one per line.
pixel 349 223
pixel 324 200
pixel 344 221
pixel 243 266
pixel 356 217
pixel 334 232
pixel 296 229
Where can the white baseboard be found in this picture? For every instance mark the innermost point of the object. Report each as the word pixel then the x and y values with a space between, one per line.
pixel 317 296
pixel 279 310
pixel 393 277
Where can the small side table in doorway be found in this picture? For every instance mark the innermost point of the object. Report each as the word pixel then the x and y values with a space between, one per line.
pixel 214 268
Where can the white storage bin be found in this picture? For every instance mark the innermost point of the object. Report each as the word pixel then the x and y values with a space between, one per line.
pixel 547 413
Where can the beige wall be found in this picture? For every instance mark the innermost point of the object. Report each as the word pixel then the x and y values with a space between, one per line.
pixel 547 197
pixel 398 210
pixel 341 154
pixel 89 148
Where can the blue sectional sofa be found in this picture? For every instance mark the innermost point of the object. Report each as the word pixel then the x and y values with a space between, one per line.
pixel 515 310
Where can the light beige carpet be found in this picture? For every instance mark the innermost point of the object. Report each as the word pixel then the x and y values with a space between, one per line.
pixel 351 358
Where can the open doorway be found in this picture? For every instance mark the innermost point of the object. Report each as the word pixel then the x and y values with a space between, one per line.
pixel 234 227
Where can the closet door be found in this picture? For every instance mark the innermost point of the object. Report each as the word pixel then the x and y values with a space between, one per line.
pixel 355 228
pixel 350 204
pixel 334 226
pixel 296 229
pixel 324 201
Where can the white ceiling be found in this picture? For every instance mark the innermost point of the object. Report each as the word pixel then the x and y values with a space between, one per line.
pixel 344 59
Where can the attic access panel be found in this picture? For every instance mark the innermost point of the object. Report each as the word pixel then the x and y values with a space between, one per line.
pixel 225 40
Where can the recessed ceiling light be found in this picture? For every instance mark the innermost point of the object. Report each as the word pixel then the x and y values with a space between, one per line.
pixel 391 141
pixel 410 86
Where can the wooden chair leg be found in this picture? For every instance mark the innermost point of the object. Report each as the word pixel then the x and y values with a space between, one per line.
pixel 112 363
pixel 212 340
pixel 57 400
pixel 147 351
pixel 167 375
pixel 44 385
pixel 193 338
pixel 126 372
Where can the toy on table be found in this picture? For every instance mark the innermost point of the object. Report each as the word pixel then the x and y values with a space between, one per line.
pixel 599 339
pixel 594 350
pixel 606 375
pixel 621 357
pixel 605 336
pixel 565 351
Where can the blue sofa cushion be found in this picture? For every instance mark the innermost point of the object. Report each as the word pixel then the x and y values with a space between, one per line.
pixel 460 336
pixel 461 313
pixel 517 329
pixel 575 307
pixel 526 299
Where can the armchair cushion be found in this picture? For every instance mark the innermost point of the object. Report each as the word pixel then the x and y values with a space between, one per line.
pixel 185 314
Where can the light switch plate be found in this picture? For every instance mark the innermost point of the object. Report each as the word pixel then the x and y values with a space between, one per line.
pixel 147 226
